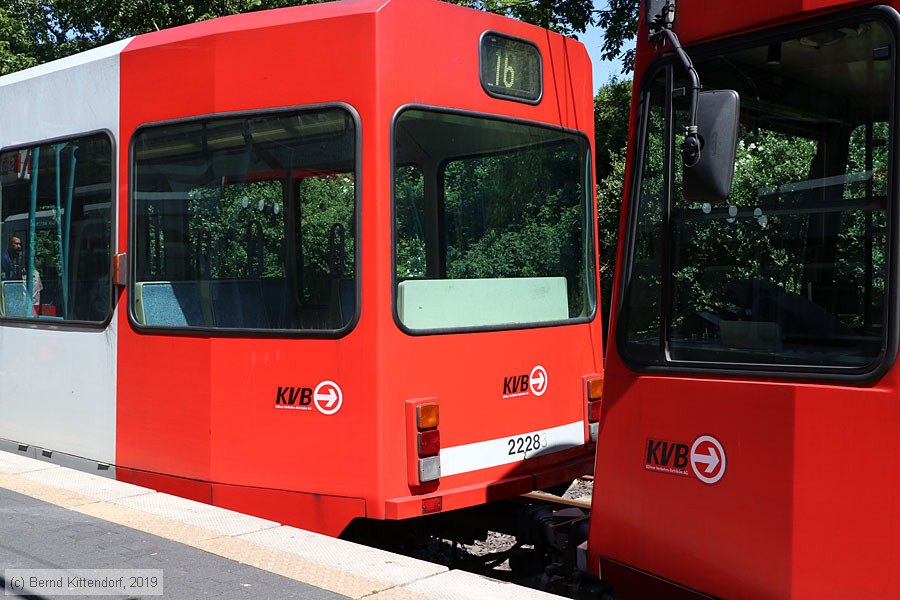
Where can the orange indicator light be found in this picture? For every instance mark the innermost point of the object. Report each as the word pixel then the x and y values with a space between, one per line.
pixel 427 416
pixel 595 389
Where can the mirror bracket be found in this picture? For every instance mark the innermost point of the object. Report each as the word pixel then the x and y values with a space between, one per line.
pixel 659 14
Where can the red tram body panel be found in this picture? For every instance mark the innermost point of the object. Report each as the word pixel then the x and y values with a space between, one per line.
pixel 307 200
pixel 751 386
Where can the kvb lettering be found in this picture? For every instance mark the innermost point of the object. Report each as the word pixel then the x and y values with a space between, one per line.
pixel 293 397
pixel 667 457
pixel 517 384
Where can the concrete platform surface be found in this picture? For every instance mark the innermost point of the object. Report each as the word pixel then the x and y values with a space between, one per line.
pixel 54 520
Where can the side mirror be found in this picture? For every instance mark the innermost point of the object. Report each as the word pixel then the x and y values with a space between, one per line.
pixel 708 179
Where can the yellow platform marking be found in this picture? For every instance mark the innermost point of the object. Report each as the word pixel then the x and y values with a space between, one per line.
pixel 236 549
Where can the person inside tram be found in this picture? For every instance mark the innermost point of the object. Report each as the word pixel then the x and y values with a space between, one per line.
pixel 11 259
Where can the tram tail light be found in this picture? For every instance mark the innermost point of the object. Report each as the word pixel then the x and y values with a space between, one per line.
pixel 594 411
pixel 425 441
pixel 427 416
pixel 429 469
pixel 594 392
pixel 594 389
pixel 429 442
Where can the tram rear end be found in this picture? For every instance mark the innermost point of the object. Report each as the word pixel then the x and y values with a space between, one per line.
pixel 373 282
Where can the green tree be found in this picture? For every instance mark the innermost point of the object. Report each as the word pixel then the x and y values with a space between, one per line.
pixel 619 21
pixel 609 203
pixel 611 114
pixel 15 46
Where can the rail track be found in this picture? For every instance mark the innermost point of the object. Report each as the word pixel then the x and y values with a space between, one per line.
pixel 524 540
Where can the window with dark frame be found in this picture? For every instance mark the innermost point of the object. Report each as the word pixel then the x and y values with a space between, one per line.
pixel 789 273
pixel 56 216
pixel 246 222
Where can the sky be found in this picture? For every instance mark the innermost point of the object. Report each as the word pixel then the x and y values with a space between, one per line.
pixel 603 69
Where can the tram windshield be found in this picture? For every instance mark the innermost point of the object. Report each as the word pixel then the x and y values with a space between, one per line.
pixel 790 272
pixel 493 224
pixel 246 222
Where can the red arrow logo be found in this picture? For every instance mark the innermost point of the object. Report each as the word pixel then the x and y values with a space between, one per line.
pixel 538 380
pixel 328 397
pixel 708 459
pixel 711 460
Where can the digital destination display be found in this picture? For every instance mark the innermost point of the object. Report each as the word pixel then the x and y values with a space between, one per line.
pixel 511 68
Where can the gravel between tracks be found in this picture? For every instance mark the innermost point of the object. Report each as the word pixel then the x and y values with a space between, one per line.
pixel 580 489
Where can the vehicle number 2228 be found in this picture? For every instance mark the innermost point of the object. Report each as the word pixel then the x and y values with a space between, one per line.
pixel 527 444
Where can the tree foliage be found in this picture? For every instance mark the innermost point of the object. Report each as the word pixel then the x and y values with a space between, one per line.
pixel 619 21
pixel 15 44
pixel 611 113
pixel 609 203
pixel 611 110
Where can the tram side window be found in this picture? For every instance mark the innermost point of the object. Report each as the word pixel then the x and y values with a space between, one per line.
pixel 55 229
pixel 492 223
pixel 791 269
pixel 641 314
pixel 247 223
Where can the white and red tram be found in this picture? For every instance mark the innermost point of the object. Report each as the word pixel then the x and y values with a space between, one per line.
pixel 315 264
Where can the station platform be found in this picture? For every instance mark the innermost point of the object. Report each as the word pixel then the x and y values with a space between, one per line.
pixel 55 519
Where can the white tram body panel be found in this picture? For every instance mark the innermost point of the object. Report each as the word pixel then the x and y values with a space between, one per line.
pixel 59 386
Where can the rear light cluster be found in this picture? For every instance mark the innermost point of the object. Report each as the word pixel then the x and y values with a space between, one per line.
pixel 428 442
pixel 594 406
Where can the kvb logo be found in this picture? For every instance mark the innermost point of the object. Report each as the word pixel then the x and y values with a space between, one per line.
pixel 296 398
pixel 667 457
pixel 526 383
pixel 327 397
pixel 704 459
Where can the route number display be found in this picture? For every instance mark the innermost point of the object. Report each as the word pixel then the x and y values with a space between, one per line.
pixel 511 68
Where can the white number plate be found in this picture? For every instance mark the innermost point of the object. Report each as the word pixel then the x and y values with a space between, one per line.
pixel 506 450
pixel 527 445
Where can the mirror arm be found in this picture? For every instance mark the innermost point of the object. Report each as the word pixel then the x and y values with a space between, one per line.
pixel 690 149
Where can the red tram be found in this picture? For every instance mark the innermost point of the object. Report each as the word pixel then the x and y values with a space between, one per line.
pixel 751 399
pixel 314 264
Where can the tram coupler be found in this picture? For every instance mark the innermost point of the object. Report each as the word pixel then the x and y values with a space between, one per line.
pixel 555 535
